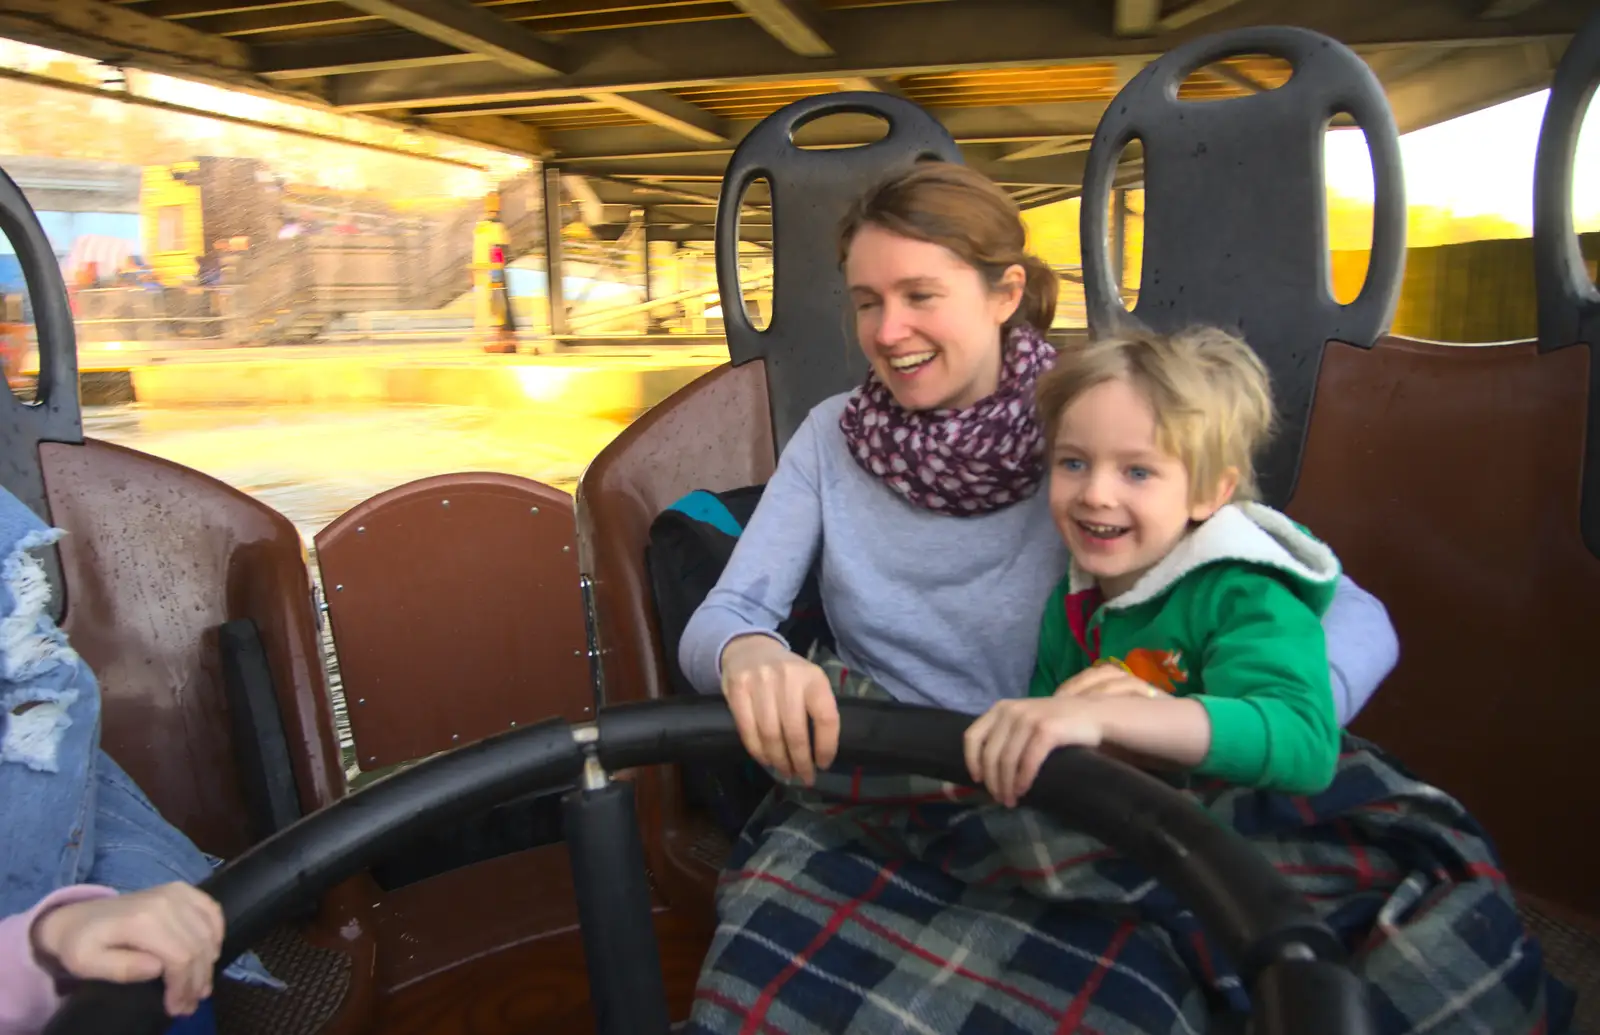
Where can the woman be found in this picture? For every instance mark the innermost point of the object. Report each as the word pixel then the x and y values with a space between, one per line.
pixel 884 904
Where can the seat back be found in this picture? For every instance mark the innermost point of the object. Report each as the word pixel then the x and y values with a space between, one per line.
pixel 457 613
pixel 809 351
pixel 725 430
pixel 54 416
pixel 1235 213
pixel 1569 302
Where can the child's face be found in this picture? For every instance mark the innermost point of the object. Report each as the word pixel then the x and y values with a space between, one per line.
pixel 1120 502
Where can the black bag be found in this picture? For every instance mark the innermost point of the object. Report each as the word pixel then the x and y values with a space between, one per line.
pixel 690 543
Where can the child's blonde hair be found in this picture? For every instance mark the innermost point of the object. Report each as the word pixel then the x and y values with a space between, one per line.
pixel 1210 392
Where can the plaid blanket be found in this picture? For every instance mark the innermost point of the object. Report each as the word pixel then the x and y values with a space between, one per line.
pixel 893 905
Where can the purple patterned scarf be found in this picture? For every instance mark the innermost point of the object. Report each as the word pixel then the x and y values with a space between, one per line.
pixel 958 462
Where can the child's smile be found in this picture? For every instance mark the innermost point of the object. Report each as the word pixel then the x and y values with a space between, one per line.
pixel 1121 502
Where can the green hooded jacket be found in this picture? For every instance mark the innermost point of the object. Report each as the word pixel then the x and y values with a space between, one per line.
pixel 1233 618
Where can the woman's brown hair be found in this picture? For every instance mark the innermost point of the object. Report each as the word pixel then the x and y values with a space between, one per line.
pixel 963 210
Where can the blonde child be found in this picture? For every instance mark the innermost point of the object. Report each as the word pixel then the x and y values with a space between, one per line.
pixel 1188 630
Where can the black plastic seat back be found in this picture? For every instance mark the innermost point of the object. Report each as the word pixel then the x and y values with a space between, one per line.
pixel 809 351
pixel 1569 302
pixel 55 416
pixel 1235 214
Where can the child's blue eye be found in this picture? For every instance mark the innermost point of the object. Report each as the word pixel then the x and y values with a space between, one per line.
pixel 1071 463
pixel 1139 474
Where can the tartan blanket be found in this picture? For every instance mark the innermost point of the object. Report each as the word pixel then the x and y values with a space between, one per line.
pixel 900 905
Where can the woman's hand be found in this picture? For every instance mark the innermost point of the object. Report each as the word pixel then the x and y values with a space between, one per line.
pixel 173 931
pixel 772 692
pixel 1010 741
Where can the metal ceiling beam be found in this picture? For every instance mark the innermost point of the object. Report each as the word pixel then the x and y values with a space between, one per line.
pixel 1195 11
pixel 123 97
pixel 1136 17
pixel 1507 8
pixel 329 16
pixel 205 8
pixel 1046 148
pixel 341 55
pixel 670 113
pixel 1144 17
pixel 544 108
pixel 790 22
pixel 476 30
pixel 103 31
pixel 505 134
pixel 122 36
pixel 872 84
pixel 1011 124
pixel 872 42
pixel 1062 170
pixel 683 234
pixel 1471 79
pixel 1234 77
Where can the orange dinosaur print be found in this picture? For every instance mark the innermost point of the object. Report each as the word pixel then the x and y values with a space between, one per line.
pixel 1162 669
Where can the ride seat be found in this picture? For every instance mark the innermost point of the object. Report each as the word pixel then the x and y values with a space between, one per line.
pixel 156 559
pixel 725 430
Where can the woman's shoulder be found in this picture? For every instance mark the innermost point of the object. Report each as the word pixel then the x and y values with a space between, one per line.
pixel 825 414
pixel 820 430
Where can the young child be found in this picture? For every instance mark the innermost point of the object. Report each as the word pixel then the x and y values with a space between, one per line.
pixel 1188 628
pixel 173 931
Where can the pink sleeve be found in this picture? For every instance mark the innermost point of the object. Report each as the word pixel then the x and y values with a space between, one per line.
pixel 27 993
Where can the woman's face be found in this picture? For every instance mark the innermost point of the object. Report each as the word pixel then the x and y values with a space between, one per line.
pixel 926 320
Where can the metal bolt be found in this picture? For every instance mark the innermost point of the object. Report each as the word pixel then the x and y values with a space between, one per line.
pixel 361 700
pixel 455 736
pixel 576 653
pixel 566 549
pixel 361 528
pixel 533 510
pixel 339 588
pixel 447 503
pixel 513 723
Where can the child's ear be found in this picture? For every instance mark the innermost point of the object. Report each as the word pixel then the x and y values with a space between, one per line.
pixel 1227 485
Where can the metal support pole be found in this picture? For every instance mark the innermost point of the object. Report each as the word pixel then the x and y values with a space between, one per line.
pixel 553 260
pixel 626 988
pixel 644 236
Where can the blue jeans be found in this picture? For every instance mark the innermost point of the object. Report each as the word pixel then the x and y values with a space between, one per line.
pixel 68 813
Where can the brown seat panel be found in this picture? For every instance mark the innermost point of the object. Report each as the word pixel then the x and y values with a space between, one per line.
pixel 1447 478
pixel 715 433
pixel 155 559
pixel 456 612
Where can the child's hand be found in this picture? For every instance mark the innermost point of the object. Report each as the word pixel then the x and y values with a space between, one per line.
pixel 1009 742
pixel 173 931
pixel 1106 679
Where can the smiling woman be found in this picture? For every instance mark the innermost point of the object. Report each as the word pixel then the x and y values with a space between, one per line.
pixel 937 267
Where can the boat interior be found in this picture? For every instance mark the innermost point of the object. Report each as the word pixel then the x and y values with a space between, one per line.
pixel 1460 484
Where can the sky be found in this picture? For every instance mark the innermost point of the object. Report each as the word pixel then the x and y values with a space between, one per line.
pixel 1478 164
